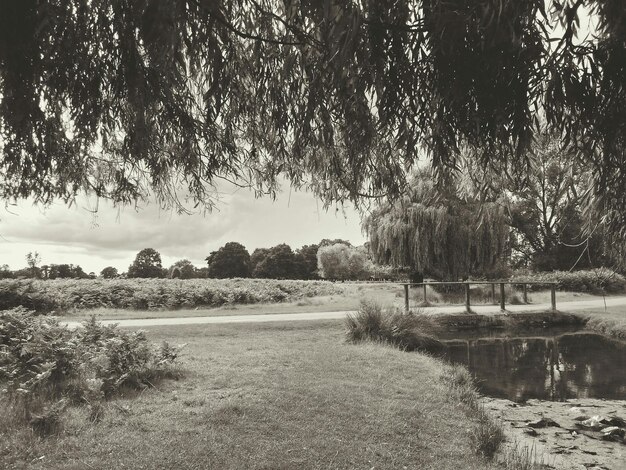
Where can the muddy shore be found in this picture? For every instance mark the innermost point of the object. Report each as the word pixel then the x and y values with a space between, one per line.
pixel 556 433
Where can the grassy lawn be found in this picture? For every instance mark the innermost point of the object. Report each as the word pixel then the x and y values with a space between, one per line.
pixel 269 396
pixel 386 294
pixel 610 320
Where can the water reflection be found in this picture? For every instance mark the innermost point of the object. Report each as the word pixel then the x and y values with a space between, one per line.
pixel 580 365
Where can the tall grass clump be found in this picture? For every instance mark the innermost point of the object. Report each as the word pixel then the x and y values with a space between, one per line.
pixel 45 366
pixel 522 458
pixel 407 331
pixel 487 436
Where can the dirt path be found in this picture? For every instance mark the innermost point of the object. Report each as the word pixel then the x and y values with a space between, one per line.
pixel 270 317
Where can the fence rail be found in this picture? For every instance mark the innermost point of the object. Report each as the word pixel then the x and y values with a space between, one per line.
pixel 493 284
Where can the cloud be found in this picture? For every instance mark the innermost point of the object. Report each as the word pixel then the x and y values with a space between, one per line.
pixel 114 235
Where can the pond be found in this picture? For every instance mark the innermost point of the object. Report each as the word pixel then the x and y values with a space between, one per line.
pixel 546 365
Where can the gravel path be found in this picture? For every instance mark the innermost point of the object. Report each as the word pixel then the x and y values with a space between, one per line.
pixel 270 317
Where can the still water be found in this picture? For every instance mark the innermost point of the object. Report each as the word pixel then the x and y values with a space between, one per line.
pixel 548 366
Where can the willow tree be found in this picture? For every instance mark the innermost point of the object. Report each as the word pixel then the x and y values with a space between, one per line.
pixel 442 233
pixel 120 98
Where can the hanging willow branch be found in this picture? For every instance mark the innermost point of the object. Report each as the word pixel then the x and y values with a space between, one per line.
pixel 122 98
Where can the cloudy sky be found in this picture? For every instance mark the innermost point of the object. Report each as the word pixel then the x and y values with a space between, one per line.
pixel 113 236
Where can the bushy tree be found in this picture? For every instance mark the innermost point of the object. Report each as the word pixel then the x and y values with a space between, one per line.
pixel 444 233
pixel 202 273
pixel 65 271
pixel 156 93
pixel 182 269
pixel 547 213
pixel 258 255
pixel 231 260
pixel 33 258
pixel 342 262
pixel 278 262
pixel 109 272
pixel 329 242
pixel 5 272
pixel 306 261
pixel 147 264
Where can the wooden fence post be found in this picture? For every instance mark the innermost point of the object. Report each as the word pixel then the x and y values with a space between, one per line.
pixel 425 299
pixel 493 293
pixel 406 298
pixel 502 296
pixel 467 298
pixel 525 292
pixel 553 296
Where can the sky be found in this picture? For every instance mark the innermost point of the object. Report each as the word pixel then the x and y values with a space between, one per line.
pixel 113 236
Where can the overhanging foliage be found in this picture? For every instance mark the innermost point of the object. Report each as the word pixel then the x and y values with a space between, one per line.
pixel 124 97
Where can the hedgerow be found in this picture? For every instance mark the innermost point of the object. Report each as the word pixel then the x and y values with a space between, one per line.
pixel 45 366
pixel 597 281
pixel 152 294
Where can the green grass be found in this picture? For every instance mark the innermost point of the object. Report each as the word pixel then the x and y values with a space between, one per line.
pixel 270 396
pixel 353 293
pixel 609 321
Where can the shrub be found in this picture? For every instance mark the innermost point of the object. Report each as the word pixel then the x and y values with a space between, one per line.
pixel 597 281
pixel 406 331
pixel 66 294
pixel 45 365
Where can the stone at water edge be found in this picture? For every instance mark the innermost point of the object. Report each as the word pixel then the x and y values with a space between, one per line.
pixel 531 432
pixel 543 423
pixel 614 421
pixel 597 423
pixel 594 423
pixel 613 433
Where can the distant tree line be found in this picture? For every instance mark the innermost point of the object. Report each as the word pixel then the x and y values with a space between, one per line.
pixel 329 259
pixel 333 259
pixel 35 270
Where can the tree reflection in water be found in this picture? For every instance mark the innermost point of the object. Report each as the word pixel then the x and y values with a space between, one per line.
pixel 578 365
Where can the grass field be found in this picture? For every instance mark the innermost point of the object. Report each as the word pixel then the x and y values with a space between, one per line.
pixel 610 320
pixel 270 396
pixel 387 294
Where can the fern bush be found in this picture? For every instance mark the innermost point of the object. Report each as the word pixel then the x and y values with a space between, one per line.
pixel 44 365
pixel 406 331
pixel 151 294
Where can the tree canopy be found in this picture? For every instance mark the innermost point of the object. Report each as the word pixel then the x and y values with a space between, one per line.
pixel 231 260
pixel 343 262
pixel 147 264
pixel 446 234
pixel 121 98
pixel 277 262
pixel 547 215
pixel 109 272
pixel 182 269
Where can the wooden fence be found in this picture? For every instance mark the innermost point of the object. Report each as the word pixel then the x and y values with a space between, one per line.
pixel 493 284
